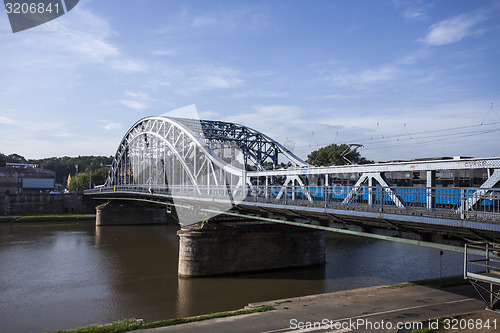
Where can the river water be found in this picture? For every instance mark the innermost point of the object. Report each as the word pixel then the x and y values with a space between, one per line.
pixel 66 274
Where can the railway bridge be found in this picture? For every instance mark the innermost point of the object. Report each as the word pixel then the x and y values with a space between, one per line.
pixel 214 171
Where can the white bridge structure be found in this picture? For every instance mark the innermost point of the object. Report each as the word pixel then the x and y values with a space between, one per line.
pixel 202 169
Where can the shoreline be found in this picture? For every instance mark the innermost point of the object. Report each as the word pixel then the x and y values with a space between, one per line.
pixel 292 305
pixel 47 218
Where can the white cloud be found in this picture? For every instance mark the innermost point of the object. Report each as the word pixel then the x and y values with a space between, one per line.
pixel 203 21
pixel 219 82
pixel 186 80
pixel 82 34
pixel 414 57
pixel 280 111
pixel 414 14
pixel 212 77
pixel 211 115
pixel 129 65
pixel 137 100
pixel 5 120
pixel 413 10
pixel 223 21
pixel 365 78
pixel 78 39
pixel 110 126
pixel 139 94
pixel 133 104
pixel 164 52
pixel 337 96
pixel 89 46
pixel 453 29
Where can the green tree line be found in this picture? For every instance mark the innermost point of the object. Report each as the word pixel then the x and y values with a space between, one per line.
pixel 88 166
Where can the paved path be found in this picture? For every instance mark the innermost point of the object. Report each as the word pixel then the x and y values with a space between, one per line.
pixel 374 309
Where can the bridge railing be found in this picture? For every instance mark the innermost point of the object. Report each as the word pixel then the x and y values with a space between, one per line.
pixel 402 200
pixel 464 203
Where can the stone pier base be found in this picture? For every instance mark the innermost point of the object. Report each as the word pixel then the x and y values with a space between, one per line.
pixel 130 213
pixel 247 246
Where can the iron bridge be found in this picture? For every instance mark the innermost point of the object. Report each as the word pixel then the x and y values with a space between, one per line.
pixel 206 169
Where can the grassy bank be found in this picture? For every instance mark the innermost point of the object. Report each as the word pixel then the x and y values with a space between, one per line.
pixel 46 217
pixel 135 324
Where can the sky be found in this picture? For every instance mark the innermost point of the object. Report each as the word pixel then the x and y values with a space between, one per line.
pixel 405 79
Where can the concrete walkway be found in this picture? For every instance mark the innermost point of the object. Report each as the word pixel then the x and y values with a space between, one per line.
pixel 374 309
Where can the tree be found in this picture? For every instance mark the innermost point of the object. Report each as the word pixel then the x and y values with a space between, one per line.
pixel 331 155
pixel 15 158
pixel 98 178
pixel 63 166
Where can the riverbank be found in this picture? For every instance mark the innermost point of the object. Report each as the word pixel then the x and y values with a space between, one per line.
pixel 374 309
pixel 47 218
pixel 393 305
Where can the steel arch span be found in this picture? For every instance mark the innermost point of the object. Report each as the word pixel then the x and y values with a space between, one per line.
pixel 205 168
pixel 168 152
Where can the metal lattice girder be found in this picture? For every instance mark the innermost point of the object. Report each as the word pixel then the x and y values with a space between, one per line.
pixel 291 181
pixel 255 146
pixel 483 190
pixel 369 176
pixel 370 172
pixel 160 151
pixel 463 164
pixel 177 151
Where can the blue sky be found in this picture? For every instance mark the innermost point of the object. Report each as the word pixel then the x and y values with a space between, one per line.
pixel 407 79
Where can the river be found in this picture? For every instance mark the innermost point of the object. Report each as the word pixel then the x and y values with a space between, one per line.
pixel 69 274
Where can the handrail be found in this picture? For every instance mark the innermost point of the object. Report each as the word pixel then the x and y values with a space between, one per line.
pixel 446 201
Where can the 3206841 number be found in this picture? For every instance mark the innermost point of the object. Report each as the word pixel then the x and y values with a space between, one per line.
pixel 31 8
pixel 471 324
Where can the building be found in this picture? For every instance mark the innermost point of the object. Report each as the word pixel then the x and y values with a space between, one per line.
pixel 25 178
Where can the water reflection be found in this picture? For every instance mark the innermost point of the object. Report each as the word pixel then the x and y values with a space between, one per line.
pixel 64 275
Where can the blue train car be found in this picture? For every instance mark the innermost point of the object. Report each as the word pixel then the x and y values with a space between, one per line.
pixel 417 196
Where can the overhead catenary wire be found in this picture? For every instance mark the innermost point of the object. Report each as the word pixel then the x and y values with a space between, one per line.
pixel 491 109
pixel 374 132
pixel 422 135
pixel 430 131
pixel 445 135
pixel 419 135
pixel 451 137
pixel 404 126
pixel 416 137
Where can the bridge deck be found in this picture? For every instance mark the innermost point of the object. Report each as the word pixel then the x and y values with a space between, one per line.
pixel 485 215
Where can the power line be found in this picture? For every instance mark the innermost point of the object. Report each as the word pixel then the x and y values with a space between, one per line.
pixel 458 135
pixel 445 135
pixel 418 135
pixel 491 109
pixel 432 131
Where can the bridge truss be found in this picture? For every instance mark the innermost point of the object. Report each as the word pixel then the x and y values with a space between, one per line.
pixel 166 151
pixel 225 167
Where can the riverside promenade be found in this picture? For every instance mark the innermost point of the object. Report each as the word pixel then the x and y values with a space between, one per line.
pixel 373 309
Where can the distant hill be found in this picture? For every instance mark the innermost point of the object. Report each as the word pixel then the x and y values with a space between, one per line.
pixel 63 166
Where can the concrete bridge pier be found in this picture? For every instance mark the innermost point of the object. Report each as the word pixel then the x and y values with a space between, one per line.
pixel 233 247
pixel 130 213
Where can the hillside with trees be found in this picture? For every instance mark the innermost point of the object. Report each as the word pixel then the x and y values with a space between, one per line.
pixel 95 167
